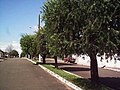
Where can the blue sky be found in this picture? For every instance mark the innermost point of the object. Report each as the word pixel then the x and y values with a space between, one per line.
pixel 16 16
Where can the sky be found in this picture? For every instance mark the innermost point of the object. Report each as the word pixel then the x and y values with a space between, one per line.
pixel 16 18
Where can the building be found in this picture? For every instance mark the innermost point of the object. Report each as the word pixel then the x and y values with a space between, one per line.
pixel 1 54
pixel 102 61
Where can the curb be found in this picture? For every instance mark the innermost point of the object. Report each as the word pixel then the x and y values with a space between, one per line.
pixel 106 68
pixel 117 70
pixel 30 60
pixel 73 86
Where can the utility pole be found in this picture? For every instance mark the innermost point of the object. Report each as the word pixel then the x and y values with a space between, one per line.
pixel 38 32
pixel 39 23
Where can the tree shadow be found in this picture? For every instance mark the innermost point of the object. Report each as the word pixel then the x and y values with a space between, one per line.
pixel 86 84
pixel 65 66
pixel 112 82
pixel 74 69
pixel 61 64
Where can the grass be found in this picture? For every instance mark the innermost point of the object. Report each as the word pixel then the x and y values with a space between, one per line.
pixel 35 60
pixel 85 84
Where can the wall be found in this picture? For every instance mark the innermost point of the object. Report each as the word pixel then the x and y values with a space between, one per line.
pixel 85 60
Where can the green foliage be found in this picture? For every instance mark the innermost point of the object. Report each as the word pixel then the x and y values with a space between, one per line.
pixel 62 31
pixel 75 25
pixel 22 54
pixel 41 40
pixel 33 47
pixel 28 44
pixel 98 32
pixel 14 53
pixel 82 26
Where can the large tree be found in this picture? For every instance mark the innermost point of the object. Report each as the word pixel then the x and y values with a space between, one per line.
pixel 28 45
pixel 82 25
pixel 42 44
pixel 98 33
pixel 13 53
pixel 60 29
pixel 9 48
pixel 33 47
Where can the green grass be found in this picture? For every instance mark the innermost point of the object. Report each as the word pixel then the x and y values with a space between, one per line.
pixel 85 84
pixel 35 60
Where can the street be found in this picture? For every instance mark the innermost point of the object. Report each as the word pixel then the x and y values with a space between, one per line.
pixel 18 74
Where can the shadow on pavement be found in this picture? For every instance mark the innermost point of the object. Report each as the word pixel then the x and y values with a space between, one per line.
pixel 112 82
pixel 73 69
pixel 61 64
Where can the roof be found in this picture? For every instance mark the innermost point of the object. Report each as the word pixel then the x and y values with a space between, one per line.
pixel 1 51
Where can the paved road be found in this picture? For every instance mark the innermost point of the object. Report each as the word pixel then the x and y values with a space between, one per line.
pixel 107 77
pixel 16 74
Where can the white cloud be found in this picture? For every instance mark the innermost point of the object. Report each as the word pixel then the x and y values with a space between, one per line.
pixel 16 46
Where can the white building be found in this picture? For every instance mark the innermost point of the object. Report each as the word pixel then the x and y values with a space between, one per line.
pixel 85 60
pixel 1 54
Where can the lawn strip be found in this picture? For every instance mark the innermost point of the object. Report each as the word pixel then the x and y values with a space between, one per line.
pixel 81 82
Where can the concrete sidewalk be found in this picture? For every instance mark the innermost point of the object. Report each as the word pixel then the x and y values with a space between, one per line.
pixel 49 60
pixel 112 68
pixel 108 77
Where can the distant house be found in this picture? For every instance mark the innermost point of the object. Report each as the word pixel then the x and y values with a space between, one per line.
pixel 1 54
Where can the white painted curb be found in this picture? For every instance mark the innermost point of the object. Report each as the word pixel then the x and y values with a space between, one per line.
pixel 117 70
pixel 30 60
pixel 73 86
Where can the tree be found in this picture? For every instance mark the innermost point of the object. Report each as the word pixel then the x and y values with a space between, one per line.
pixel 33 47
pixel 28 44
pixel 60 33
pixel 22 54
pixel 42 44
pixel 82 26
pixel 98 34
pixel 13 53
pixel 9 48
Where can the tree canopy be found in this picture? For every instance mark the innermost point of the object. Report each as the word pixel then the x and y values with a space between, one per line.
pixel 28 45
pixel 77 27
pixel 83 26
pixel 13 53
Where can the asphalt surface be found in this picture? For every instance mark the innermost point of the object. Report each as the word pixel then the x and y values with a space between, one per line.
pixel 16 74
pixel 107 77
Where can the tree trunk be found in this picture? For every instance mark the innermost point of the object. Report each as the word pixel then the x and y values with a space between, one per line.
pixel 30 57
pixel 27 55
pixel 56 64
pixel 44 61
pixel 94 68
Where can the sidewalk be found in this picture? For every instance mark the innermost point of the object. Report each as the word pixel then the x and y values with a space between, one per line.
pixel 61 61
pixel 107 76
pixel 112 68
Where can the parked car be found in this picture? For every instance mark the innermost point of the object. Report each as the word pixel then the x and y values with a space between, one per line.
pixel 69 59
